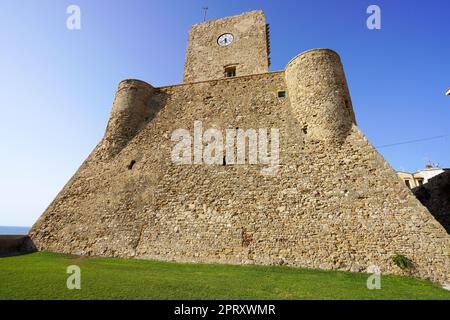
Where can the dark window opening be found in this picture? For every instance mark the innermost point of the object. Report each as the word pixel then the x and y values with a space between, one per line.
pixel 420 182
pixel 305 129
pixel 230 72
pixel 224 162
pixel 281 94
pixel 408 184
pixel 348 107
pixel 131 165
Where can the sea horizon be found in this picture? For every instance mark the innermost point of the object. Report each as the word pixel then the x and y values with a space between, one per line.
pixel 14 230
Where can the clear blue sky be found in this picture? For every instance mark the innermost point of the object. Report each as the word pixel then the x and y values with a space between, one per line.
pixel 57 85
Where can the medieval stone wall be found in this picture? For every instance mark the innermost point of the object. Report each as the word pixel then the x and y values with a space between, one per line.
pixel 329 205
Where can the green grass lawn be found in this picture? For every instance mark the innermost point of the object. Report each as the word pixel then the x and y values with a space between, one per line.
pixel 43 275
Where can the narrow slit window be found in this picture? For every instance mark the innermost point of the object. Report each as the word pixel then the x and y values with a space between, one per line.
pixel 348 106
pixel 131 165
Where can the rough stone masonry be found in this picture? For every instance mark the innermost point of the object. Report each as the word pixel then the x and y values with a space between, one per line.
pixel 334 202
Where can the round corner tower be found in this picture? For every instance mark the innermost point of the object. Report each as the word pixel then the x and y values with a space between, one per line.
pixel 319 96
pixel 131 109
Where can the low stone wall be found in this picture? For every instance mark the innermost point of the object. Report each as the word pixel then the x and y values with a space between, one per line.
pixel 435 195
pixel 12 245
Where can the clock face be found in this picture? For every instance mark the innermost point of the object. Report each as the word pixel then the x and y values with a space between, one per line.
pixel 225 39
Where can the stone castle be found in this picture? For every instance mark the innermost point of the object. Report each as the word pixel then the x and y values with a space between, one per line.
pixel 334 202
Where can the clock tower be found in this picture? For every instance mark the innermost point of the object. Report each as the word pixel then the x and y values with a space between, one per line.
pixel 228 47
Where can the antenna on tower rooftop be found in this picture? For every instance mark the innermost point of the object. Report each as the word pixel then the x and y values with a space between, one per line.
pixel 206 10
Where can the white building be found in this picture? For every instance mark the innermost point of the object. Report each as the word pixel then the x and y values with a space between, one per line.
pixel 420 177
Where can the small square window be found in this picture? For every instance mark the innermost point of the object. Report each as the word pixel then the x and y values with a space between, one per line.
pixel 281 94
pixel 230 72
pixel 408 184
